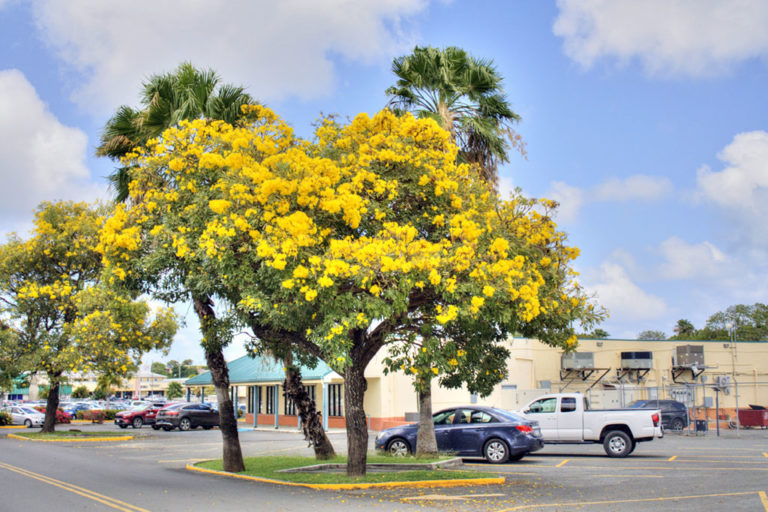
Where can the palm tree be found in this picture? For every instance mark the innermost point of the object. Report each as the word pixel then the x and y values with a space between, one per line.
pixel 166 100
pixel 465 96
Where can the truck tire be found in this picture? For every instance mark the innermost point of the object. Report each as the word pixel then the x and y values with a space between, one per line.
pixel 677 424
pixel 618 444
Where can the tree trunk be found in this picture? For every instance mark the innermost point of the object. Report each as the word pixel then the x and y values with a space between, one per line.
pixel 311 420
pixel 232 456
pixel 357 429
pixel 52 404
pixel 426 443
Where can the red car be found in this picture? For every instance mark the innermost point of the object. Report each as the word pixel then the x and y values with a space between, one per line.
pixel 139 415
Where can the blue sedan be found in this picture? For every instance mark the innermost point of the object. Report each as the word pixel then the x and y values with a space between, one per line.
pixel 495 434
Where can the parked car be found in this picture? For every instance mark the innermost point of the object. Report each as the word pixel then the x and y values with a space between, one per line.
pixel 565 418
pixel 139 415
pixel 470 431
pixel 26 416
pixel 187 416
pixel 674 415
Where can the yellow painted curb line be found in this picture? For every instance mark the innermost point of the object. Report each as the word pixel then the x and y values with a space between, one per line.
pixel 73 440
pixel 14 426
pixel 330 487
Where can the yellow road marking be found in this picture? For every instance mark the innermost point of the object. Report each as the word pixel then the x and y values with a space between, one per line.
pixel 562 463
pixel 764 499
pixel 635 500
pixel 106 500
pixel 72 439
pixel 672 458
pixel 765 454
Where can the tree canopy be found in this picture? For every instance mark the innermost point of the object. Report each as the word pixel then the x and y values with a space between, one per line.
pixel 64 318
pixel 370 234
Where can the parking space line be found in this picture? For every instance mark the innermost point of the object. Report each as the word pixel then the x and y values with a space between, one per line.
pixel 630 500
pixel 764 499
pixel 629 476
pixel 761 462
pixel 765 454
pixel 562 463
pixel 86 493
pixel 672 458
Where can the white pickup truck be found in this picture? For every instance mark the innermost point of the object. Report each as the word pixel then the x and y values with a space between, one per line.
pixel 565 418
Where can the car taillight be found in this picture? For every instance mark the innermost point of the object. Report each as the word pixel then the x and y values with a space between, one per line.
pixel 525 429
pixel 655 419
pixel 172 413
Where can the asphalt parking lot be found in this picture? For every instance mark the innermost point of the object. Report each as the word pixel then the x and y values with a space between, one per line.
pixel 676 473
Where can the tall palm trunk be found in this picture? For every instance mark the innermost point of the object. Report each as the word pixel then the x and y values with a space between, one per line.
pixel 426 442
pixel 311 420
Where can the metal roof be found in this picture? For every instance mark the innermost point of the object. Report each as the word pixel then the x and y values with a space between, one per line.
pixel 252 370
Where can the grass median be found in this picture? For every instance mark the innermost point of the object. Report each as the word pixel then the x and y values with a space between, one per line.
pixel 269 468
pixel 70 435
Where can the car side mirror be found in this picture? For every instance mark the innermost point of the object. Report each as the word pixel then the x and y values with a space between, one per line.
pixel 526 411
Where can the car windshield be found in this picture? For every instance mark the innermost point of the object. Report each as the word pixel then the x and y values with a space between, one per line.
pixel 140 407
pixel 173 407
pixel 508 416
pixel 27 410
pixel 637 405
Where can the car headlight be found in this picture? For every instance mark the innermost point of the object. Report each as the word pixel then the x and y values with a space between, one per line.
pixel 379 436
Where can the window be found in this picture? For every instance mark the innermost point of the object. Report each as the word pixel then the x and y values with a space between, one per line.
pixel 544 405
pixel 290 406
pixel 481 417
pixel 567 404
pixel 335 407
pixel 270 405
pixel 444 417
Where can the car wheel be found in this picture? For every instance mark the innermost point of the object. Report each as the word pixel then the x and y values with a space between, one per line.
pixel 28 423
pixel 137 422
pixel 121 425
pixel 496 451
pixel 617 444
pixel 155 427
pixel 185 424
pixel 398 448
pixel 677 424
pixel 167 429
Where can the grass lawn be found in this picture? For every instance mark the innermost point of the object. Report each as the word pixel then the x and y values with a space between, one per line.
pixel 68 434
pixel 268 467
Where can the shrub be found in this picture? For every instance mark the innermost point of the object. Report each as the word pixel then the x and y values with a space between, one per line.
pixel 5 419
pixel 61 416
pixel 96 416
pixel 109 414
pixel 80 415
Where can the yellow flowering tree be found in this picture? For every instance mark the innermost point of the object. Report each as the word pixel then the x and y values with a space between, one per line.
pixel 64 318
pixel 369 236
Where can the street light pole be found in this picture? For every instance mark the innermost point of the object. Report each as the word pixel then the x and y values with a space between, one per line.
pixel 732 331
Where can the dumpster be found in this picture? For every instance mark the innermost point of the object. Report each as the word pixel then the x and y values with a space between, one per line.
pixel 753 418
pixel 701 425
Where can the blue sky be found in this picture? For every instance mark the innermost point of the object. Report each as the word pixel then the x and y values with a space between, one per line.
pixel 645 120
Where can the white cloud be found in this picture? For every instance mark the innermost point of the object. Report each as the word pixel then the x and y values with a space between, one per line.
pixel 685 261
pixel 275 49
pixel 624 299
pixel 676 37
pixel 639 187
pixel 42 159
pixel 570 198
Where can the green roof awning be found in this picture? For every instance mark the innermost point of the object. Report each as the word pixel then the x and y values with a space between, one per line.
pixel 259 369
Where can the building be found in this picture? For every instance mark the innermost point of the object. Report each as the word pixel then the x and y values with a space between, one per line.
pixel 611 372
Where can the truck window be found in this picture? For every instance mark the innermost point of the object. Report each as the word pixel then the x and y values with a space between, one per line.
pixel 567 404
pixel 543 405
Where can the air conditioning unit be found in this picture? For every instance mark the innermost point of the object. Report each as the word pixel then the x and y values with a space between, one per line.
pixel 724 381
pixel 690 355
pixel 637 360
pixel 577 360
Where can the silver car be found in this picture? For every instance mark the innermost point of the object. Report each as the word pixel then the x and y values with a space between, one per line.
pixel 26 416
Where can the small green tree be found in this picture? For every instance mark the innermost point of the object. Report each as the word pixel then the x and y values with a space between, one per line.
pixel 651 335
pixel 81 392
pixel 159 368
pixel 174 391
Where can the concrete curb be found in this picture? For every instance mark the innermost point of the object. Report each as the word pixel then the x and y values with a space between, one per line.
pixel 73 440
pixel 343 487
